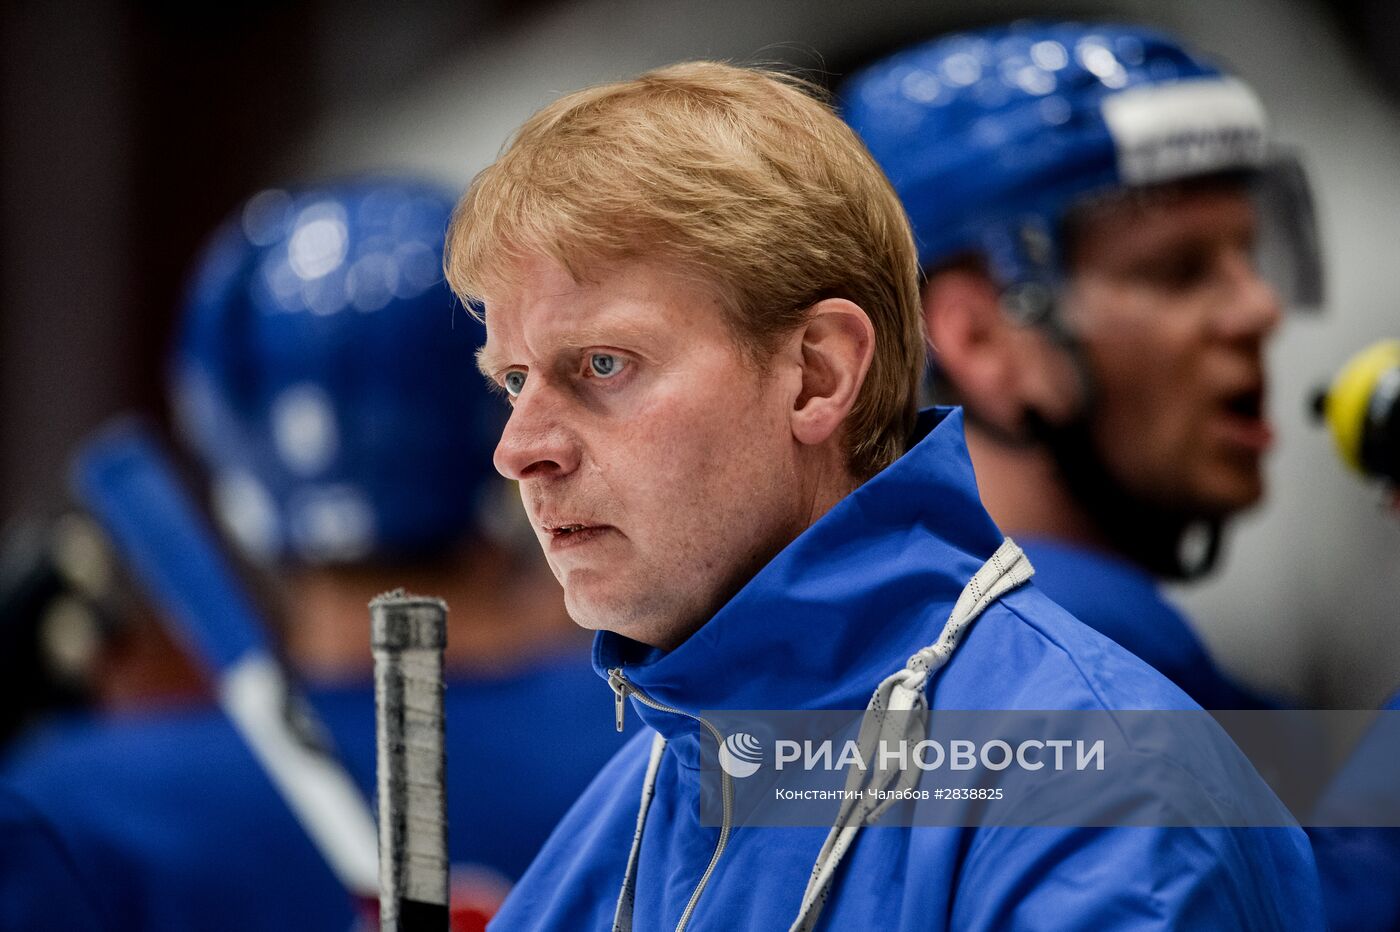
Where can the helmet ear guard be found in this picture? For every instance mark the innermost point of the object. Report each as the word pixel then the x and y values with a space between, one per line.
pixel 1030 304
pixel 1024 258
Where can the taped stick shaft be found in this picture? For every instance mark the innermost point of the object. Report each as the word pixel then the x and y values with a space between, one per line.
pixel 408 634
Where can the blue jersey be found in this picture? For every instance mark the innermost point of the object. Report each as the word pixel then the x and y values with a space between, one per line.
pixel 1359 868
pixel 40 889
pixel 842 607
pixel 1126 605
pixel 172 823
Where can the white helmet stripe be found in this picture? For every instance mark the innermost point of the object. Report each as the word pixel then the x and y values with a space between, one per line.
pixel 1191 127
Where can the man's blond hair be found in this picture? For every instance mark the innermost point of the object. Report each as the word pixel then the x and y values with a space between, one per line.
pixel 734 175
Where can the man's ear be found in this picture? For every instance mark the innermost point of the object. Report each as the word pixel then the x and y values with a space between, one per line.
pixel 836 345
pixel 998 368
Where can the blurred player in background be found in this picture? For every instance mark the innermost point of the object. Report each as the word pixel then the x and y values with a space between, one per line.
pixel 1109 239
pixel 1090 203
pixel 325 379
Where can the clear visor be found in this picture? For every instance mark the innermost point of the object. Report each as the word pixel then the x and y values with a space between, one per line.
pixel 1288 252
pixel 1282 231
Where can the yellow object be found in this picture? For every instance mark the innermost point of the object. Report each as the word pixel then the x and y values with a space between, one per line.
pixel 1350 395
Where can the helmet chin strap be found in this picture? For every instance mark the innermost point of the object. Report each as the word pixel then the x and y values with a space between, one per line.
pixel 1154 537
pixel 1167 542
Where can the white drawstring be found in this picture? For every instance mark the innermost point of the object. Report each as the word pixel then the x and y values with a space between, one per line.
pixel 622 916
pixel 903 691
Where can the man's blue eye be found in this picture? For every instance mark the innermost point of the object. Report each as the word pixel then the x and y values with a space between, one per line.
pixel 604 365
pixel 514 383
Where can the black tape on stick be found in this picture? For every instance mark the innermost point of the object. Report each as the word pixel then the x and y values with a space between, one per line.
pixel 407 634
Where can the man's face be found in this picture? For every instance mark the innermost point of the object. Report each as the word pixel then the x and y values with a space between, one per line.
pixel 1174 318
pixel 657 465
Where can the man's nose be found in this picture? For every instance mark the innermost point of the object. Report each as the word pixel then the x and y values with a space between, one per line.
pixel 537 442
pixel 1255 309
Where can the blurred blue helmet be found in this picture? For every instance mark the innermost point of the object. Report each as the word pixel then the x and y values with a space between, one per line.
pixel 991 137
pixel 325 375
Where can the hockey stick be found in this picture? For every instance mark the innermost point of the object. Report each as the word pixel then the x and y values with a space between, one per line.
pixel 125 480
pixel 408 634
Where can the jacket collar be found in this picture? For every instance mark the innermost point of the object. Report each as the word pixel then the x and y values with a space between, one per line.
pixel 840 607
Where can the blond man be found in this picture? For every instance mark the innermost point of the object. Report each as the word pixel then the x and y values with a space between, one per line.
pixel 701 300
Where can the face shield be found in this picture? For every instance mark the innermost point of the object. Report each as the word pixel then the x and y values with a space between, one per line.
pixel 1037 255
pixel 1287 249
pixel 1178 236
pixel 1176 133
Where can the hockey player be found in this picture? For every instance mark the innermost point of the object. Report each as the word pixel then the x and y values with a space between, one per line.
pixel 1091 204
pixel 324 377
pixel 1109 237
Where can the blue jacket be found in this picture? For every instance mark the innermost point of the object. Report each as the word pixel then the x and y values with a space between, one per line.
pixel 1125 605
pixel 842 607
pixel 172 824
pixel 40 889
pixel 1359 868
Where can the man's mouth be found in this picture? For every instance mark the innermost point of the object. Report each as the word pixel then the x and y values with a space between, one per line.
pixel 1244 422
pixel 1246 404
pixel 570 533
pixel 560 530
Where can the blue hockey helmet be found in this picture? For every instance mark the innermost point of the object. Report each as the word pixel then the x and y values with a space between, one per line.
pixel 991 137
pixel 325 375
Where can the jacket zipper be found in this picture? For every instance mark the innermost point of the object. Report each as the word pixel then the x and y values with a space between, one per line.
pixel 621 688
